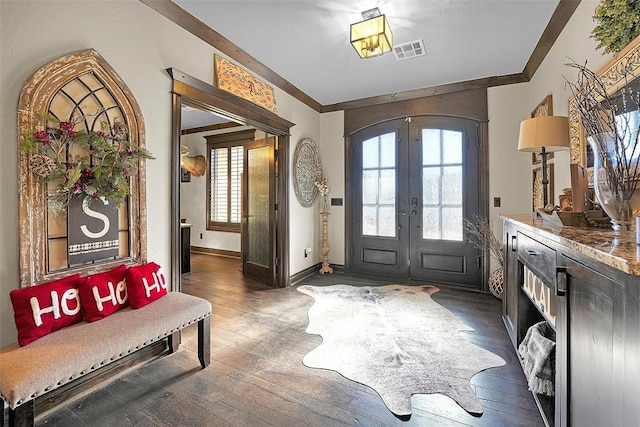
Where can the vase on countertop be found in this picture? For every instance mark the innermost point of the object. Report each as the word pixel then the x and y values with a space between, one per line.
pixel 614 181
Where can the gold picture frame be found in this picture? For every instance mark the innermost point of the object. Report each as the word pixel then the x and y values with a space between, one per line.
pixel 538 198
pixel 615 75
pixel 239 82
pixel 543 109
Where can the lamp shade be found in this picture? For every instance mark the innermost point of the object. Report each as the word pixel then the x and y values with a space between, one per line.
pixel 372 37
pixel 550 132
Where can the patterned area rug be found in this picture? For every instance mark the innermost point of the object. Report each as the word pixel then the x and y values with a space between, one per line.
pixel 396 340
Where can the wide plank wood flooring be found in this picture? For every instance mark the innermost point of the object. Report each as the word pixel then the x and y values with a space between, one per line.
pixel 256 376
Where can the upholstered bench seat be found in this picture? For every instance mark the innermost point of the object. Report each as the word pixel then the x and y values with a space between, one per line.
pixel 65 355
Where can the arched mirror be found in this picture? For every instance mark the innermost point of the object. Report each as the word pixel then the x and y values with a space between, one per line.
pixel 83 91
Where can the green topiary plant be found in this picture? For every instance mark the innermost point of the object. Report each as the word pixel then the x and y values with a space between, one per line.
pixel 618 24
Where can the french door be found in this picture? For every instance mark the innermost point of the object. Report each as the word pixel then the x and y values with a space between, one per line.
pixel 413 182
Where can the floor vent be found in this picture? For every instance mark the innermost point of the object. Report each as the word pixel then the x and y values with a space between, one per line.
pixel 409 50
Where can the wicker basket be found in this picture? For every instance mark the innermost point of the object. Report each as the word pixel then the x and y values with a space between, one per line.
pixel 496 283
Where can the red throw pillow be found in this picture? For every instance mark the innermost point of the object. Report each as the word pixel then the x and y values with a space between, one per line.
pixel 103 294
pixel 145 283
pixel 41 309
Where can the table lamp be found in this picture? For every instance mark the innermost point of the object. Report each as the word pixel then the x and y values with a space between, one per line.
pixel 543 135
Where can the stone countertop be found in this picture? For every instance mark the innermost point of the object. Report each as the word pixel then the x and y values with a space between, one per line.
pixel 616 249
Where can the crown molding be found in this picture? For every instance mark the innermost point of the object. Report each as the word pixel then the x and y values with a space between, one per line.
pixel 184 19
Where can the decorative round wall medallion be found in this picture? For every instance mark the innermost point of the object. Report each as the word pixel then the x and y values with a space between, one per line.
pixel 306 170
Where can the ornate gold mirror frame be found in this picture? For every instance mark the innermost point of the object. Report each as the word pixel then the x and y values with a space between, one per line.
pixel 78 82
pixel 617 73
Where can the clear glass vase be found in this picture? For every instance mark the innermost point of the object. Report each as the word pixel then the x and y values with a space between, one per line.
pixel 612 184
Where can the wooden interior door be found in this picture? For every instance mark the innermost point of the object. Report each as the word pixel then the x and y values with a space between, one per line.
pixel 258 211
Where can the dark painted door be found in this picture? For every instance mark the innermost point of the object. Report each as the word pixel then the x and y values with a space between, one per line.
pixel 413 182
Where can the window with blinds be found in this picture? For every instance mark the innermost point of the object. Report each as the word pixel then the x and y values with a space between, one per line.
pixel 224 207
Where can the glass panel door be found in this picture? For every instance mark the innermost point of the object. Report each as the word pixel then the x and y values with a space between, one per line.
pixel 413 182
pixel 444 187
pixel 379 217
pixel 258 211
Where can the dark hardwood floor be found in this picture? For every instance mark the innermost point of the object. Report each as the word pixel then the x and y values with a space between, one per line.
pixel 256 376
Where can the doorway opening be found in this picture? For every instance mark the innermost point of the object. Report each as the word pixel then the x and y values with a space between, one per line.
pixel 263 208
pixel 413 182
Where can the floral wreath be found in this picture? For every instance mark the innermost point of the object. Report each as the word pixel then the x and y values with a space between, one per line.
pixel 323 188
pixel 96 164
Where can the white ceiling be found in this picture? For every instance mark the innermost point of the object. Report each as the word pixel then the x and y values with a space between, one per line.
pixel 307 42
pixel 193 118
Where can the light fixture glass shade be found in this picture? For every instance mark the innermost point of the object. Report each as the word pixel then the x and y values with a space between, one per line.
pixel 550 132
pixel 372 37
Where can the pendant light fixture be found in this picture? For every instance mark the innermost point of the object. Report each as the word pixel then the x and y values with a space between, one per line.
pixel 372 36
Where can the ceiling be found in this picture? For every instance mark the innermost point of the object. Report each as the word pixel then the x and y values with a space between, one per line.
pixel 192 118
pixel 306 42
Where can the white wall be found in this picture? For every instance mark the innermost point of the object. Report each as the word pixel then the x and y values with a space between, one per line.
pixel 193 199
pixel 139 44
pixel 304 223
pixel 331 147
pixel 508 176
pixel 510 171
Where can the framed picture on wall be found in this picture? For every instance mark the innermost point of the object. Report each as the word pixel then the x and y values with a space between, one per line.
pixel 538 198
pixel 543 109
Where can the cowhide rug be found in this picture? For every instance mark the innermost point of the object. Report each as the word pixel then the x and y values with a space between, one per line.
pixel 396 340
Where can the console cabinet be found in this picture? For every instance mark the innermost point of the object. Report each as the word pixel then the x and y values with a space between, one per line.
pixel 586 283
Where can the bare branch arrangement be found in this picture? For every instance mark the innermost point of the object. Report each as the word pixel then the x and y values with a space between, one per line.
pixel 610 117
pixel 323 188
pixel 482 236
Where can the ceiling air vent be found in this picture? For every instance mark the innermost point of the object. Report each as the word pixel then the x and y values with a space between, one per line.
pixel 409 50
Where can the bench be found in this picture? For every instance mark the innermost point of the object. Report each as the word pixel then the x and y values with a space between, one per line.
pixel 72 352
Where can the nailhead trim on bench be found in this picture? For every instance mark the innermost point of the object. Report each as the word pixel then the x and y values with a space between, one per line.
pixel 181 302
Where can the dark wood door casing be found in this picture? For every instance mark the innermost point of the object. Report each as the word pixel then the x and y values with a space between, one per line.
pixel 201 94
pixel 470 104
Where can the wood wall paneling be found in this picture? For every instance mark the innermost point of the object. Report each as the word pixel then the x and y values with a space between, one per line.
pixel 470 104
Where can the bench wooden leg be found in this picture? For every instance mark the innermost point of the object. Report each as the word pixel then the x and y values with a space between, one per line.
pixel 204 337
pixel 174 342
pixel 23 415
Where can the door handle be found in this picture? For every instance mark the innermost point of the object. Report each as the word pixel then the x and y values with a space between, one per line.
pixel 414 212
pixel 561 280
pixel 403 213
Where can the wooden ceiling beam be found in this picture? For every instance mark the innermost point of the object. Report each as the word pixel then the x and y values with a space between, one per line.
pixel 210 128
pixel 556 24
